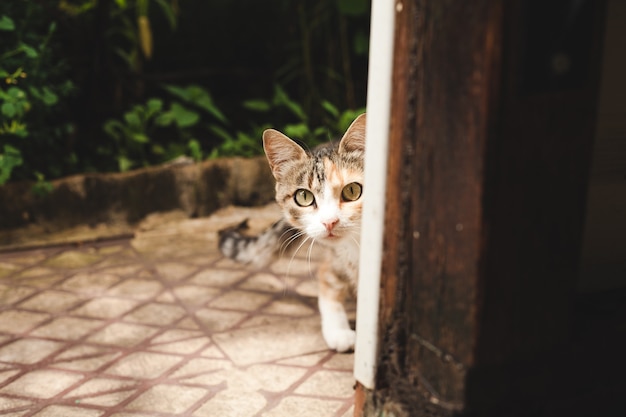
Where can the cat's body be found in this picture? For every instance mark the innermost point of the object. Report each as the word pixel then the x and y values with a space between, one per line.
pixel 320 194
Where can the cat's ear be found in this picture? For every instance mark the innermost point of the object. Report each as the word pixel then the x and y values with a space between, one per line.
pixel 280 151
pixel 354 138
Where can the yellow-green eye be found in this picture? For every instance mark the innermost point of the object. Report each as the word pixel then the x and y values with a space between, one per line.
pixel 304 198
pixel 351 192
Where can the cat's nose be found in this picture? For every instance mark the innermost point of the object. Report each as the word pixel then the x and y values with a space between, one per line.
pixel 330 224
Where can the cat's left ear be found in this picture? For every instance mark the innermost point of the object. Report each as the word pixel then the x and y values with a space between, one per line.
pixel 354 138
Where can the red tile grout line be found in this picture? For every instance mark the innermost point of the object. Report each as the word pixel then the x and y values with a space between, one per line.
pixel 71 343
pixel 168 285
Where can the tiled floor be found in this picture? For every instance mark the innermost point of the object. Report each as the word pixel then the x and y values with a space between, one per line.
pixel 162 325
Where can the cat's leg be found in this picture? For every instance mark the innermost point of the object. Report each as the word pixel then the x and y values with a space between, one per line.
pixel 335 327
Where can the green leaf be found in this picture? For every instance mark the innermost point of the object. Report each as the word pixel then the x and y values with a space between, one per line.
pixel 154 105
pixel 112 128
pixel 164 119
pixel 207 104
pixel 140 137
pixel 16 93
pixel 221 133
pixel 330 108
pixel 182 116
pixel 195 149
pixel 124 164
pixel 257 105
pixel 48 97
pixel 198 96
pixel 8 109
pixel 9 159
pixel 29 51
pixel 281 98
pixel 6 23
pixel 299 130
pixel 133 120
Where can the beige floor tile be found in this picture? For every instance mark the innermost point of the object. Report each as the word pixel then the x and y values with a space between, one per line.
pixel 184 347
pixel 6 374
pixel 304 407
pixel 199 366
pixel 7 268
pixel 262 320
pixel 41 384
pixel 218 320
pixel 17 322
pixel 72 259
pixel 195 294
pixel 144 365
pixel 100 385
pixel 305 360
pixel 282 340
pixel 122 270
pixel 176 335
pixel 158 314
pixel 275 378
pixel 91 283
pixel 10 294
pixel 174 271
pixel 240 300
pixel 138 289
pixel 289 307
pixel 107 400
pixel 343 361
pixel 34 272
pixel 328 384
pixel 168 399
pixel 293 266
pixel 106 307
pixel 264 282
pixel 85 358
pixel 232 403
pixel 67 328
pixel 51 301
pixel 28 351
pixel 123 334
pixel 212 352
pixel 218 277
pixel 65 411
pixel 7 403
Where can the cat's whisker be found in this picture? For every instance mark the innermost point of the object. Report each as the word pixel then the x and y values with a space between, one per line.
pixel 310 251
pixel 294 255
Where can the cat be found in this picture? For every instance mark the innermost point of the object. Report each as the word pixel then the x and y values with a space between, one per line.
pixel 320 193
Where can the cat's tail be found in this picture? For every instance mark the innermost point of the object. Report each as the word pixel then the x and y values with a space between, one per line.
pixel 257 250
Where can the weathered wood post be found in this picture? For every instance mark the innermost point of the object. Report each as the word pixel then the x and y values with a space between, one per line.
pixel 490 143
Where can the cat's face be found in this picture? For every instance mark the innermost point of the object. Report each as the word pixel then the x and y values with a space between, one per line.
pixel 320 192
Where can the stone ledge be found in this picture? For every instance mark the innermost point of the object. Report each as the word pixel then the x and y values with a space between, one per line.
pixel 112 204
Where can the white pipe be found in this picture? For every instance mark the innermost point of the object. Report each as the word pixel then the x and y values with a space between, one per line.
pixel 377 129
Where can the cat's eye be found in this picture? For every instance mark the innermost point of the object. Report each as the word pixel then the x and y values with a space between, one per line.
pixel 351 192
pixel 304 198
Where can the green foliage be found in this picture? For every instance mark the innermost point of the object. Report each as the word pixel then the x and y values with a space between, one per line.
pixel 81 81
pixel 33 88
pixel 138 136
pixel 249 143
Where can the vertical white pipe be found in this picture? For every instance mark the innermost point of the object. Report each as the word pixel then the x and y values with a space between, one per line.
pixel 377 128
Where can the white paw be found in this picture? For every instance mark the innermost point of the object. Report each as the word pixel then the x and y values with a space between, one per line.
pixel 342 340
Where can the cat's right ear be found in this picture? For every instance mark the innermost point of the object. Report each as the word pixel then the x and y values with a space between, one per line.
pixel 281 151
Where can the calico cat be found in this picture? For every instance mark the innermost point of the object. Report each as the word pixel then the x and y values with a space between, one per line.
pixel 320 194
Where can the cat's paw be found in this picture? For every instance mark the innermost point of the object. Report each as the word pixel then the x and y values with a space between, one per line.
pixel 342 340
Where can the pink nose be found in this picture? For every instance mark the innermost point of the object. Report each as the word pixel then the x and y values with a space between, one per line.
pixel 330 224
